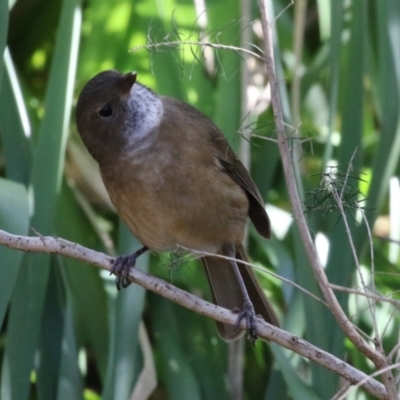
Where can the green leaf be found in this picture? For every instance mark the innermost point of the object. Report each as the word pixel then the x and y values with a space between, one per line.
pixel 298 389
pixel 388 97
pixel 27 304
pixel 83 282
pixel 227 106
pixel 3 31
pixel 341 266
pixel 174 362
pixel 49 157
pixel 321 328
pixel 21 339
pixel 70 380
pixel 14 218
pixel 51 336
pixel 334 69
pixel 14 126
pixel 126 308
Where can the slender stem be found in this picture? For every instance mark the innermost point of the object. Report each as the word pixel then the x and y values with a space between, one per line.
pixel 300 7
pixel 220 46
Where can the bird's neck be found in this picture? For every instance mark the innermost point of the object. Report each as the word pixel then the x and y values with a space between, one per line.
pixel 145 111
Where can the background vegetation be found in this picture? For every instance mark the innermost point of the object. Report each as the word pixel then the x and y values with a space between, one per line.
pixel 65 331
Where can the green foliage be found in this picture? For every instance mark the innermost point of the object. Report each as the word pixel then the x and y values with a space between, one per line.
pixel 65 331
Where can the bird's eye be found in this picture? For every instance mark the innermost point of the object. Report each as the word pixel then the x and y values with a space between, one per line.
pixel 106 112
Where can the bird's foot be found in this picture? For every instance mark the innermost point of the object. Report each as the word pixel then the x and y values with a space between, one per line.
pixel 121 266
pixel 251 322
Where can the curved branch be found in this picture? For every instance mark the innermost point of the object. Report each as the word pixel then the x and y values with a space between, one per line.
pixel 48 244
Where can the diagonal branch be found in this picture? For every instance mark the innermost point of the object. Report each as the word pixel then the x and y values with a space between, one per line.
pixel 48 244
pixel 378 359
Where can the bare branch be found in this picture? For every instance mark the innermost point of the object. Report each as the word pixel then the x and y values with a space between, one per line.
pixel 51 245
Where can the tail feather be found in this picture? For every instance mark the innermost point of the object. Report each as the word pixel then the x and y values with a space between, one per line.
pixel 226 291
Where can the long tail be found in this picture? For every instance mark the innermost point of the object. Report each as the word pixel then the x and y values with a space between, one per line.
pixel 226 291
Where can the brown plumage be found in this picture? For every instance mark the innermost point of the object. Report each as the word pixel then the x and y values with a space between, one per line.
pixel 175 181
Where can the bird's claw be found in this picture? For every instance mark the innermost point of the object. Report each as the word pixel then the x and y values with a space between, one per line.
pixel 251 322
pixel 121 267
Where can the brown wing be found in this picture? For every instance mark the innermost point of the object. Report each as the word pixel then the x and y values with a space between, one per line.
pixel 257 213
pixel 236 170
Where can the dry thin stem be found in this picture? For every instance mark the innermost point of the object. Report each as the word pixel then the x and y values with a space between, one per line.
pixel 394 351
pixel 382 372
pixel 51 245
pixel 378 359
pixel 283 11
pixel 342 390
pixel 288 281
pixel 237 347
pixel 339 201
pixel 86 207
pixel 264 138
pixel 196 43
pixel 146 383
pixel 388 239
pixel 376 297
pixel 300 8
pixel 371 246
pixel 386 371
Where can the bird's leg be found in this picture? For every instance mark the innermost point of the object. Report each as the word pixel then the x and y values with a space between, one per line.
pixel 247 311
pixel 121 266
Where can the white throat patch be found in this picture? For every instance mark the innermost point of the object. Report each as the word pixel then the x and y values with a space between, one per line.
pixel 146 111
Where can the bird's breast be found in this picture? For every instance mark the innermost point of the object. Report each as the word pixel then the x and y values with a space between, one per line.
pixel 170 202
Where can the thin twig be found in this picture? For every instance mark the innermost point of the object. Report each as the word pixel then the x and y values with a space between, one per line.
pixel 382 372
pixel 342 390
pixel 338 196
pixel 349 168
pixel 282 12
pixel 388 239
pixel 264 138
pixel 300 10
pixel 371 247
pixel 196 43
pixel 200 254
pixel 383 363
pixel 393 351
pixel 376 297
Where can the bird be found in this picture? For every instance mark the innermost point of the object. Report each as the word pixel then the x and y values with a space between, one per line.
pixel 177 184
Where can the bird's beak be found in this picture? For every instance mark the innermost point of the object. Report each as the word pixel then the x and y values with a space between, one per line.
pixel 128 81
